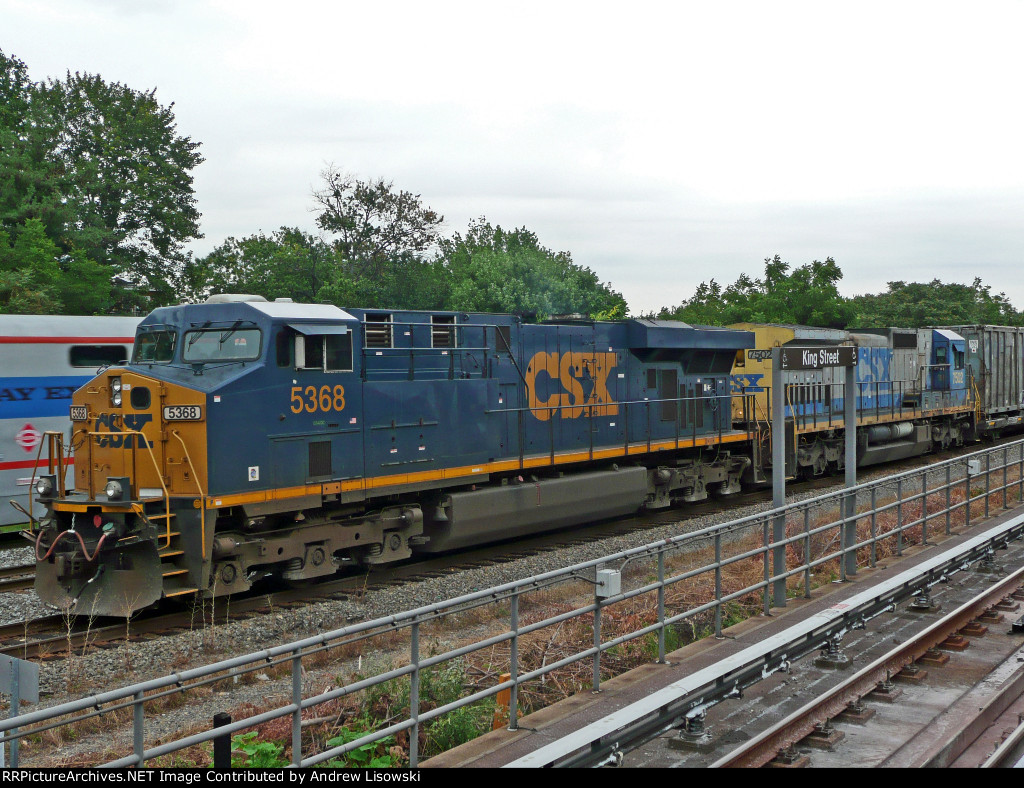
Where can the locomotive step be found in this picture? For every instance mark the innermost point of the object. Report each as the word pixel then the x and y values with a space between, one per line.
pixel 180 592
pixel 174 572
pixel 171 553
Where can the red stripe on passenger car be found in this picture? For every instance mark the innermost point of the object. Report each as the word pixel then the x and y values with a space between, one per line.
pixel 11 466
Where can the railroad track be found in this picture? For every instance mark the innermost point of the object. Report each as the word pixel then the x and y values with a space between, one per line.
pixel 17 578
pixel 944 666
pixel 933 684
pixel 57 636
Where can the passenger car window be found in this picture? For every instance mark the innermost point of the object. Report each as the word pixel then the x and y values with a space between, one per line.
pixel 97 355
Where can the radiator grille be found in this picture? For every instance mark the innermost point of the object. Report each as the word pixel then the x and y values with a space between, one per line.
pixel 320 458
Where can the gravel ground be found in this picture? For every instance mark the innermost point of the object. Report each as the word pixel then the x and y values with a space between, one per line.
pixel 61 681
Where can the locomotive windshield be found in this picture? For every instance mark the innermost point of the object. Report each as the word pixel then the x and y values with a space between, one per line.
pixel 221 344
pixel 154 346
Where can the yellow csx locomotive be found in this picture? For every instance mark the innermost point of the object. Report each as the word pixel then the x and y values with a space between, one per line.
pixel 248 438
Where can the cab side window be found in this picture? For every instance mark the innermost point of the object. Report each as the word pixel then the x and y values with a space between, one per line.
pixel 325 352
pixel 338 353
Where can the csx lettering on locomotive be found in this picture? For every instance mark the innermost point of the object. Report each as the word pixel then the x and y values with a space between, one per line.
pixel 114 425
pixel 583 378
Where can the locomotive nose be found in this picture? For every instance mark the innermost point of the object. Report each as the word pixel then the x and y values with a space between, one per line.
pixel 115 586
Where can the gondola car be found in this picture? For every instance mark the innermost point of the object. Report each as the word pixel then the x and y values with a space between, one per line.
pixel 248 438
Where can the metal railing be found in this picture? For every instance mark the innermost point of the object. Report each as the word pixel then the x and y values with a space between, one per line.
pixel 692 580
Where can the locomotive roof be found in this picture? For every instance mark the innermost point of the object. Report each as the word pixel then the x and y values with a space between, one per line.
pixel 800 332
pixel 672 334
pixel 291 311
pixel 234 310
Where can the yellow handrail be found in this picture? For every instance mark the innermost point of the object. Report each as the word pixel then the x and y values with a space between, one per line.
pixel 202 495
pixel 159 476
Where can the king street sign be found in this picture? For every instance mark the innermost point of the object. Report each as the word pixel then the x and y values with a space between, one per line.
pixel 818 357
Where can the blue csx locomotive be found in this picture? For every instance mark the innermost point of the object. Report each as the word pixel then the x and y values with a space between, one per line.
pixel 248 438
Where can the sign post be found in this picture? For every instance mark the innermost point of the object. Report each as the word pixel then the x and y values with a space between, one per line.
pixel 797 359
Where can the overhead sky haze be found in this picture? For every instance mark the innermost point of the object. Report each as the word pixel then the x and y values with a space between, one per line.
pixel 662 144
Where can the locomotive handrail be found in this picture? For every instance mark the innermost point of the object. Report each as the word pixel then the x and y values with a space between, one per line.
pixel 202 495
pixel 159 476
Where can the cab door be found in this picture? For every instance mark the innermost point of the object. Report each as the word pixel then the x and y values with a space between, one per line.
pixel 940 364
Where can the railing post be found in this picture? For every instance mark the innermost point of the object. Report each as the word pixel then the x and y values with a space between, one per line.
pixel 222 743
pixel 513 701
pixel 1006 476
pixel 949 491
pixel 874 526
pixel 297 701
pixel 967 496
pixel 1020 473
pixel 924 507
pixel 138 733
pixel 842 539
pixel 718 585
pixel 596 682
pixel 807 553
pixel 899 517
pixel 988 479
pixel 661 606
pixel 414 694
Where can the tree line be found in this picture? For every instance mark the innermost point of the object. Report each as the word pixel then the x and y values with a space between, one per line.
pixel 809 295
pixel 97 208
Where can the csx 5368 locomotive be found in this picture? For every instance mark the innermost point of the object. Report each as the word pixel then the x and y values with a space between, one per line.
pixel 248 438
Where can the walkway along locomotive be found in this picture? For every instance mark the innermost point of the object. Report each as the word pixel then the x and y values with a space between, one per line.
pixel 248 438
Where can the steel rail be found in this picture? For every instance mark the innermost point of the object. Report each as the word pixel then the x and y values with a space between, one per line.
pixel 1005 751
pixel 764 747
pixel 642 720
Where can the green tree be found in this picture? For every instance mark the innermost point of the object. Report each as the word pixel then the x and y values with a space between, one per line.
pixel 808 295
pixel 374 226
pixel 917 304
pixel 495 270
pixel 289 263
pixel 29 272
pixel 102 166
pixel 35 278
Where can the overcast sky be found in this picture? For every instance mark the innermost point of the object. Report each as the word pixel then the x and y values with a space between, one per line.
pixel 660 143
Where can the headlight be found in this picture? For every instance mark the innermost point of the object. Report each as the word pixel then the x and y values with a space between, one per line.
pixel 114 490
pixel 45 485
pixel 116 399
pixel 115 384
pixel 115 392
